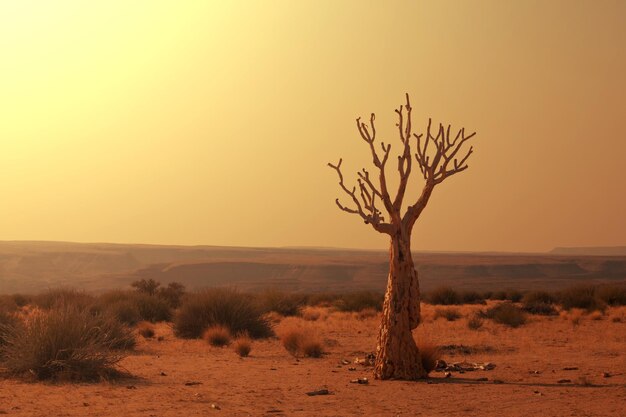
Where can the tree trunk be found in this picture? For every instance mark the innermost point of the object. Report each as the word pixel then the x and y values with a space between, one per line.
pixel 397 356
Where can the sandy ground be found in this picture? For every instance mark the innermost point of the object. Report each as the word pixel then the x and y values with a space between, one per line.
pixel 529 361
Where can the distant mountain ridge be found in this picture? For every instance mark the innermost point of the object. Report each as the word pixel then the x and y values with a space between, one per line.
pixel 590 251
pixel 35 266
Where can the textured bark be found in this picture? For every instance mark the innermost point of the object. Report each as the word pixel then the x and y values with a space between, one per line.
pixel 397 356
pixel 437 156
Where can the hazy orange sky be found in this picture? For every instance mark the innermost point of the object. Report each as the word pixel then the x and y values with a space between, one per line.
pixel 204 122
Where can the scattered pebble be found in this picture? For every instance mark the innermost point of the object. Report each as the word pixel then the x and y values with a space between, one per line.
pixel 215 406
pixel 563 381
pixel 360 381
pixel 570 368
pixel 190 383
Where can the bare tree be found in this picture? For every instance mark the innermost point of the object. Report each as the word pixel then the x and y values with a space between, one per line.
pixel 437 157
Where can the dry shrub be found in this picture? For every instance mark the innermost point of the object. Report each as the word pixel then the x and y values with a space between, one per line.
pixel 312 347
pixel 273 317
pixel 286 304
pixel 596 315
pixel 243 346
pixel 581 296
pixel 146 329
pixel 443 296
pixel 472 297
pixel 301 342
pixel 506 313
pixel 221 306
pixel 8 324
pixel 309 313
pixel 430 354
pixel 57 297
pixel 450 314
pixel 65 342
pixel 131 307
pixel 359 301
pixel 367 313
pixel 475 323
pixel 613 295
pixel 575 316
pixel 217 335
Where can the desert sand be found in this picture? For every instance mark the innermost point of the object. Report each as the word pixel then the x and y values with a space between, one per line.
pixel 175 377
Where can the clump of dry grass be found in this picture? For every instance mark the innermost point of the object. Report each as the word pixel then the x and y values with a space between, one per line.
pixel 367 313
pixel 596 315
pixel 475 322
pixel 66 342
pixel 301 342
pixel 309 313
pixel 217 335
pixel 450 314
pixel 221 306
pixel 575 316
pixel 506 313
pixel 243 346
pixel 430 354
pixel 146 329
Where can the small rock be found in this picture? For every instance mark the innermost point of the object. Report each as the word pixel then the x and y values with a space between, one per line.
pixel 570 368
pixel 318 392
pixel 563 381
pixel 85 404
pixel 360 381
pixel 448 375
pixel 163 374
pixel 215 406
pixel 606 375
pixel 352 368
pixel 160 338
pixel 190 383
pixel 345 362
pixel 131 387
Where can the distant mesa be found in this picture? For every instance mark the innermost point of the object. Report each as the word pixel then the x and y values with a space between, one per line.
pixel 591 251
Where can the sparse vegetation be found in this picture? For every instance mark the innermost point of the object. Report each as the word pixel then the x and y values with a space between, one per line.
pixel 613 295
pixel 146 286
pixel 443 296
pixel 358 301
pixel 146 329
pixel 217 335
pixel 220 306
pixel 450 314
pixel 506 313
pixel 581 296
pixel 243 346
pixel 285 304
pixel 300 342
pixel 66 342
pixel 475 322
pixel 172 294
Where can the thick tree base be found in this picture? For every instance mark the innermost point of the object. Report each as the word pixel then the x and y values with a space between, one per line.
pixel 399 359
